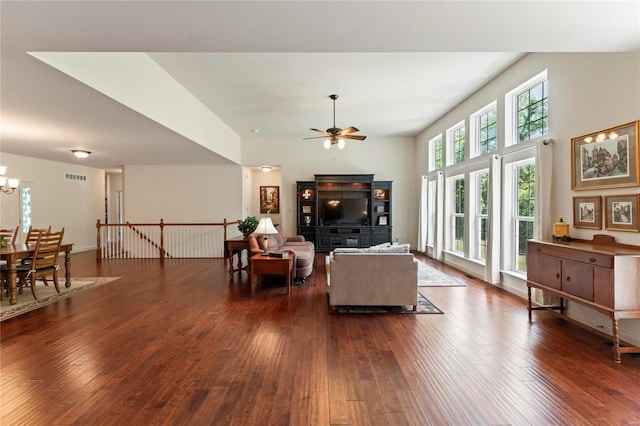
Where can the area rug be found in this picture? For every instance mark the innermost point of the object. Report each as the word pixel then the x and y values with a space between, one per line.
pixel 48 295
pixel 431 277
pixel 424 307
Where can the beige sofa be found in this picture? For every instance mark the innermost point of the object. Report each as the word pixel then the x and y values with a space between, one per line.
pixel 304 251
pixel 374 278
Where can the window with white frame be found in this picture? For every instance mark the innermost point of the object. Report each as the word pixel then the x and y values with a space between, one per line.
pixel 481 201
pixel 525 187
pixel 526 110
pixel 484 125
pixel 436 153
pixel 456 144
pixel 25 208
pixel 456 236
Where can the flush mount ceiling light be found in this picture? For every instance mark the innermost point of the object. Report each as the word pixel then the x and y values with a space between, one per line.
pixel 80 153
pixel 266 169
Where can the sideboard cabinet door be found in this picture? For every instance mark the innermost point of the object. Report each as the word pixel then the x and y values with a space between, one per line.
pixel 577 279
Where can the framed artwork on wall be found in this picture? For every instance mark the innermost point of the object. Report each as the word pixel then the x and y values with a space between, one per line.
pixel 622 212
pixel 587 212
pixel 606 159
pixel 269 199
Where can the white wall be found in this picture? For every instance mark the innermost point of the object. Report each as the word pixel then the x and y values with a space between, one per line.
pixel 56 201
pixel 387 158
pixel 587 92
pixel 182 193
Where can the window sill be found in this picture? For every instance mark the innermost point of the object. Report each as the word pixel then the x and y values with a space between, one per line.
pixel 518 275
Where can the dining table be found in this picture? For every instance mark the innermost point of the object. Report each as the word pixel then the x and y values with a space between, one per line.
pixel 12 253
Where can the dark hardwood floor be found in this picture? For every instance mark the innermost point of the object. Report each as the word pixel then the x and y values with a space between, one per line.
pixel 178 344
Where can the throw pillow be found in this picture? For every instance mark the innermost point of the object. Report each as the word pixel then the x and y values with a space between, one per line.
pixel 276 241
pixel 398 248
pixel 349 250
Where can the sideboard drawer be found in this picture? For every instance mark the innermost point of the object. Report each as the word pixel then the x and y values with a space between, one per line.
pixel 595 259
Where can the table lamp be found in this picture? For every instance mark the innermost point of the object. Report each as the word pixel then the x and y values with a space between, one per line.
pixel 264 229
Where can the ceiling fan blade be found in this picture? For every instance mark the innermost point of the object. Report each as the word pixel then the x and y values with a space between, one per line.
pixel 349 130
pixel 320 131
pixel 316 137
pixel 356 137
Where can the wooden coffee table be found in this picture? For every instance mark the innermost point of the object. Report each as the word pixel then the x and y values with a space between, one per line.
pixel 273 266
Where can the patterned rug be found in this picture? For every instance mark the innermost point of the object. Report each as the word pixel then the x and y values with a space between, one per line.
pixel 424 307
pixel 431 277
pixel 48 295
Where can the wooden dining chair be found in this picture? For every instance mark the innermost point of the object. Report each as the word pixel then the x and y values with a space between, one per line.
pixel 32 234
pixel 44 263
pixel 32 237
pixel 10 235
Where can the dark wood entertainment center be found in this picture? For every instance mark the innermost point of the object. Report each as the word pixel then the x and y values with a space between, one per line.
pixel 362 219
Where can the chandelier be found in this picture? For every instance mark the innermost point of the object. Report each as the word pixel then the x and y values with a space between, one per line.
pixel 5 181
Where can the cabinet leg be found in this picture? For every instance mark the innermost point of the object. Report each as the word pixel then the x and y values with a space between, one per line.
pixel 616 340
pixel 529 302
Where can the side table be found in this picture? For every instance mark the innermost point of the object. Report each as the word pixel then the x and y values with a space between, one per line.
pixel 235 246
pixel 266 265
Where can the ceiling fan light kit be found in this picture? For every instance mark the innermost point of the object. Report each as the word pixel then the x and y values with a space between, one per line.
pixel 335 135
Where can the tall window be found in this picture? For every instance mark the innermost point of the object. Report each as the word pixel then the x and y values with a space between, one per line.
pixel 455 144
pixel 25 208
pixel 457 215
pixel 458 145
pixel 532 112
pixel 487 124
pixel 525 175
pixel 526 109
pixel 436 153
pixel 482 200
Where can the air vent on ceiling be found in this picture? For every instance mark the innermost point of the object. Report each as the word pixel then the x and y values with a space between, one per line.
pixel 72 176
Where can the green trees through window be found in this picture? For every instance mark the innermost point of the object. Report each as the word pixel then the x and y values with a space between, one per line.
pixel 526 194
pixel 532 112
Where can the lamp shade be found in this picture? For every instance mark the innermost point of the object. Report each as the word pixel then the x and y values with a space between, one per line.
pixel 265 227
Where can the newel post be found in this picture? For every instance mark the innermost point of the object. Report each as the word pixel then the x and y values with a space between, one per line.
pixel 98 243
pixel 161 240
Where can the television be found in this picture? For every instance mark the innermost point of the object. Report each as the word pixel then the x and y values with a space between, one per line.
pixel 345 211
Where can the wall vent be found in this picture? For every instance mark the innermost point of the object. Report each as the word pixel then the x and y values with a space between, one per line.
pixel 72 176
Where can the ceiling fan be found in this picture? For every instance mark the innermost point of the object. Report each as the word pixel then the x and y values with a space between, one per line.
pixel 335 135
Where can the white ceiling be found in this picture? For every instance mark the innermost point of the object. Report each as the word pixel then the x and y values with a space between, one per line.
pixel 271 65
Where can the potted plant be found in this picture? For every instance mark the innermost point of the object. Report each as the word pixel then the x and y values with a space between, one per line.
pixel 248 225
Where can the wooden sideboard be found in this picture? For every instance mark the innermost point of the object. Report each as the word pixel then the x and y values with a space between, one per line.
pixel 598 273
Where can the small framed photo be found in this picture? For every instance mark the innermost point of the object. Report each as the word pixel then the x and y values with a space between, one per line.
pixel 306 209
pixel 587 212
pixel 382 221
pixel 622 212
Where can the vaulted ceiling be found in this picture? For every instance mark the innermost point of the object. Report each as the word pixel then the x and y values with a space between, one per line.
pixel 263 65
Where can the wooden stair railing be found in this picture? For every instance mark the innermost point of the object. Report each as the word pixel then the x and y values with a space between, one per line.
pixel 186 239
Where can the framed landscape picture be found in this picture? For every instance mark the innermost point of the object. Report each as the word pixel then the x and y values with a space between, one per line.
pixel 587 212
pixel 269 199
pixel 622 212
pixel 606 159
